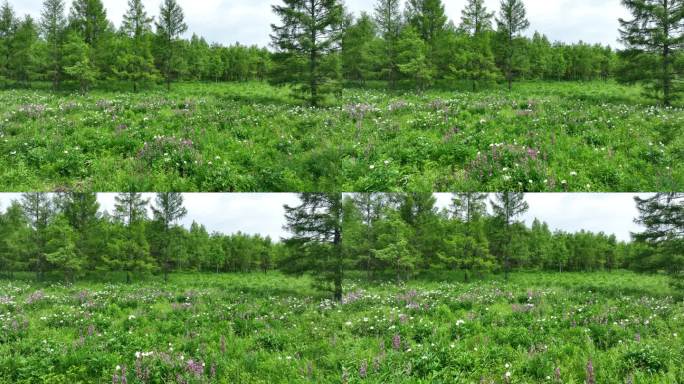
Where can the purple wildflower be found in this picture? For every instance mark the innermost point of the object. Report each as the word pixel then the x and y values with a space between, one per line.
pixel 363 369
pixel 396 342
pixel 590 373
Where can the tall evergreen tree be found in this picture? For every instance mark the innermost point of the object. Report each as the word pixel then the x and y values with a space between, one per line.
pixel 512 20
pixel 89 19
pixel 130 208
pixel 309 31
pixel 656 29
pixel 507 207
pixel 168 209
pixel 8 28
pixel 60 249
pixel 23 63
pixel 135 61
pixel 53 25
pixel 359 49
pixel 170 26
pixel 663 219
pixel 475 19
pixel 428 18
pixel 317 228
pixel 388 19
pixel 39 210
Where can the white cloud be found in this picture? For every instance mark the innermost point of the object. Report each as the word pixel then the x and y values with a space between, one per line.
pixel 248 21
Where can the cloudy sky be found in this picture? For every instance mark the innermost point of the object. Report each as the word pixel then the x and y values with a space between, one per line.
pixel 248 21
pixel 263 213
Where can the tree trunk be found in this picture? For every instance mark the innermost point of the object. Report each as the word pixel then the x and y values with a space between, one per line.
pixel 667 81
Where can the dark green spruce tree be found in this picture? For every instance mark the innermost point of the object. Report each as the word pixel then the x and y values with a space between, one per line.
pixel 310 32
pixel 170 26
pixel 656 30
pixel 512 20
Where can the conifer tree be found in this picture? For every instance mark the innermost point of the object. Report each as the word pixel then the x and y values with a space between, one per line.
pixel 412 59
pixel 60 249
pixel 388 19
pixel 8 28
pixel 53 26
pixel 475 19
pixel 359 49
pixel 89 19
pixel 23 63
pixel 393 248
pixel 428 18
pixel 507 207
pixel 512 20
pixel 317 227
pixel 310 30
pixel 168 209
pixel 78 62
pixel 663 218
pixel 656 29
pixel 170 26
pixel 135 61
pixel 39 210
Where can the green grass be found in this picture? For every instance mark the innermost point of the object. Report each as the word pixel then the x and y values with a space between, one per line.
pixel 276 329
pixel 254 137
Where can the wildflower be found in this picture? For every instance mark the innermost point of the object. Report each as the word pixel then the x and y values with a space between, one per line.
pixel 396 342
pixel 363 369
pixel 372 166
pixel 590 373
pixel 573 173
pixel 460 322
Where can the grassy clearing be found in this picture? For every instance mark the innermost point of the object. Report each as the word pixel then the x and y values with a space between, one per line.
pixel 264 328
pixel 253 137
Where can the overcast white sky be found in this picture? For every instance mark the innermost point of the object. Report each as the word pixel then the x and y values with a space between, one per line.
pixel 612 213
pixel 248 21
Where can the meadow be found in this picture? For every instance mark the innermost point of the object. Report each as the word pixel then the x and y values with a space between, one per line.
pixel 594 136
pixel 615 327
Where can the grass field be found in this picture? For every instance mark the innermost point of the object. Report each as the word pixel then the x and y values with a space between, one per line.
pixel 538 328
pixel 253 137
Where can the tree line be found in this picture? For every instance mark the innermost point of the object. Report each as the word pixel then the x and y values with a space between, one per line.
pixel 319 46
pixel 383 236
pixel 85 48
pixel 68 235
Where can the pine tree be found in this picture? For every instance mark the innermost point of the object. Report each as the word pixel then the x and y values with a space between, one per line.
pixel 475 19
pixel 507 207
pixel 358 49
pixel 8 28
pixel 310 31
pixel 78 63
pixel 412 59
pixel 317 228
pixel 53 26
pixel 39 210
pixel 512 20
pixel 392 246
pixel 130 208
pixel 388 19
pixel 656 29
pixel 428 18
pixel 168 209
pixel 60 249
pixel 23 61
pixel 170 26
pixel 89 19
pixel 662 216
pixel 135 61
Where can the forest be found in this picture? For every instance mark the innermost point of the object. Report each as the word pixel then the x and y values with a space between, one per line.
pixel 370 288
pixel 399 236
pixel 416 47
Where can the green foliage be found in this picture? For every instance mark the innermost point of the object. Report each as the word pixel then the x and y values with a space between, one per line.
pixel 412 58
pixel 272 328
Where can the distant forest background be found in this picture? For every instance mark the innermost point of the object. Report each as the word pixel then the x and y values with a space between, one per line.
pixel 416 47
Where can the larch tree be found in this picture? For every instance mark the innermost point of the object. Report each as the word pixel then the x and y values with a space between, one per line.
pixel 388 19
pixel 24 61
pixel 136 62
pixel 317 228
pixel 358 49
pixel 60 249
pixel 170 26
pixel 475 19
pixel 428 18
pixel 310 30
pixel 468 248
pixel 662 216
pixel 657 28
pixel 167 210
pixel 511 22
pixel 39 210
pixel 507 207
pixel 8 28
pixel 89 19
pixel 53 25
